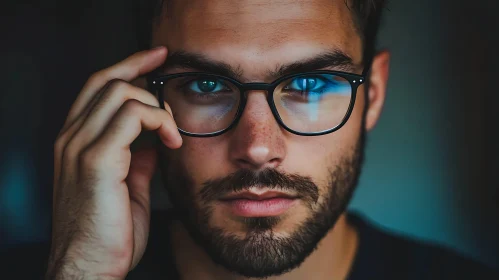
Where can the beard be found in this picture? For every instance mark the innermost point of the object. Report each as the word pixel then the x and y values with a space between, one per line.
pixel 262 252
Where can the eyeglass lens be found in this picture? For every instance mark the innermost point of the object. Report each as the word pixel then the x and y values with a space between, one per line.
pixel 307 104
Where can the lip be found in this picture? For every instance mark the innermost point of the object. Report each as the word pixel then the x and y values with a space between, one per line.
pixel 256 196
pixel 250 204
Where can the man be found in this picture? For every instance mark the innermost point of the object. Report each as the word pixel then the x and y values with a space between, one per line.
pixel 261 110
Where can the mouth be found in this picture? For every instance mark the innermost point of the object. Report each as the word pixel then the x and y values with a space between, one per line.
pixel 264 204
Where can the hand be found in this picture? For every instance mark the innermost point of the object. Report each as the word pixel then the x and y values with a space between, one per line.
pixel 101 190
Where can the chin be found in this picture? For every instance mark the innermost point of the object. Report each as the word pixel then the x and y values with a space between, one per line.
pixel 259 246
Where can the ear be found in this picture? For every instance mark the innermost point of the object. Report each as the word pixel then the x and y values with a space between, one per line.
pixel 378 80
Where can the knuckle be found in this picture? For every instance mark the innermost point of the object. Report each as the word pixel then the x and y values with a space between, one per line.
pixel 133 106
pixel 117 85
pixel 96 77
pixel 59 144
pixel 89 158
pixel 126 91
pixel 153 101
pixel 70 151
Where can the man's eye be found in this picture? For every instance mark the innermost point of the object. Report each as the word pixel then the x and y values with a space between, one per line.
pixel 206 86
pixel 306 84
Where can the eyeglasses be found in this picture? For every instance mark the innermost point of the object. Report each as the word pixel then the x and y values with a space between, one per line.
pixel 308 104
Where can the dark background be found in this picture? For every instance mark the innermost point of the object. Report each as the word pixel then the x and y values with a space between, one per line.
pixel 431 165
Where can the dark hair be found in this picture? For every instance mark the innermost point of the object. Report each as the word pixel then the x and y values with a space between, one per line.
pixel 366 15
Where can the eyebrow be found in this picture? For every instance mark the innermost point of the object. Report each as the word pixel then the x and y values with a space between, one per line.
pixel 199 62
pixel 335 59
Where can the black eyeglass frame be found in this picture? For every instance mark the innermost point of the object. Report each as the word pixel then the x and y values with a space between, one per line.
pixel 156 84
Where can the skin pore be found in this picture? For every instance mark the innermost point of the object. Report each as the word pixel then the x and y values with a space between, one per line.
pixel 256 39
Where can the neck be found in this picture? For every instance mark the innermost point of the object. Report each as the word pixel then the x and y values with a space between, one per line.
pixel 331 260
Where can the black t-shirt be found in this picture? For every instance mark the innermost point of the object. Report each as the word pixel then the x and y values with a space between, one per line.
pixel 380 255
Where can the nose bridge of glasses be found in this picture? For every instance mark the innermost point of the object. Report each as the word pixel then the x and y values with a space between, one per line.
pixel 255 86
pixel 248 87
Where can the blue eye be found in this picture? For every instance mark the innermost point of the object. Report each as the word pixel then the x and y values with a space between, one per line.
pixel 316 87
pixel 206 86
pixel 306 84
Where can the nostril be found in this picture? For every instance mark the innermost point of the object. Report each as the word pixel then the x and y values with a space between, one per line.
pixel 273 163
pixel 247 164
pixel 244 164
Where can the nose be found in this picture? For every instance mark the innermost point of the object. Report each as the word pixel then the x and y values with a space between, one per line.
pixel 257 142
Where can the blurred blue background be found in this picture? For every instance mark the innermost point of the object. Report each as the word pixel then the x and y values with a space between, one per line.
pixel 430 164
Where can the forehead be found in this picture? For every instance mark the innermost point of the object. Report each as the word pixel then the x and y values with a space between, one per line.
pixel 254 35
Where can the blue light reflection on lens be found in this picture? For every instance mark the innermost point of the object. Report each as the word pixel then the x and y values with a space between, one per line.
pixel 320 84
pixel 315 88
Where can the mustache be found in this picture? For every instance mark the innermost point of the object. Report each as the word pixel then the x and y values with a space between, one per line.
pixel 272 179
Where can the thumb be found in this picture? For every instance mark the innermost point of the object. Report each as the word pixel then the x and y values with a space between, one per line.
pixel 142 167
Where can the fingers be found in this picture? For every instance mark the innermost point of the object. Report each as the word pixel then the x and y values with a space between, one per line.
pixel 129 69
pixel 134 116
pixel 101 191
pixel 112 149
pixel 106 106
pixel 134 66
pixel 142 168
pixel 67 133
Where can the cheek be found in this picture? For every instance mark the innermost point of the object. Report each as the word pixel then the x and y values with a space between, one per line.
pixel 203 158
pixel 318 156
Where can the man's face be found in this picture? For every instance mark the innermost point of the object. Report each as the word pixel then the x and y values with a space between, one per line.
pixel 257 155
